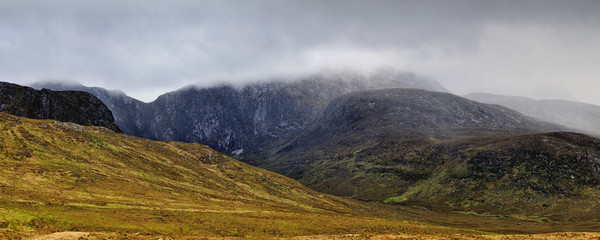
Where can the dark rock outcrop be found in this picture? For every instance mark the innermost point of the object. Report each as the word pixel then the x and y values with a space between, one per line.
pixel 65 106
pixel 126 110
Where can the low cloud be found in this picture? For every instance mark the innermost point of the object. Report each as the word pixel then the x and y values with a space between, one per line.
pixel 541 49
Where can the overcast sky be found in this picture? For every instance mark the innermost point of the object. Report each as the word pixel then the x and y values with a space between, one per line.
pixel 540 49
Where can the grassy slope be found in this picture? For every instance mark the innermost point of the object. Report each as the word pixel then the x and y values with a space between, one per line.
pixel 554 176
pixel 63 177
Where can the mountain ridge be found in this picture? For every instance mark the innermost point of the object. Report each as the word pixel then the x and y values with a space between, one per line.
pixel 259 112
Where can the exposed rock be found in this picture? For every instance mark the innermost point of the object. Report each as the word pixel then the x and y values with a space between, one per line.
pixel 66 106
pixel 127 111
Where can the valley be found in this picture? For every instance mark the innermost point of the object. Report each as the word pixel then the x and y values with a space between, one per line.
pixel 381 162
pixel 65 177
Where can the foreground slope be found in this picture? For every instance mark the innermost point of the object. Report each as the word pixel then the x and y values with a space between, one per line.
pixel 57 176
pixel 55 162
pixel 581 116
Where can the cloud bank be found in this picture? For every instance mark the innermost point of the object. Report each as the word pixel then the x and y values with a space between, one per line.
pixel 540 49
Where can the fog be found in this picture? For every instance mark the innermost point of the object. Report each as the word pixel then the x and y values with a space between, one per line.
pixel 538 49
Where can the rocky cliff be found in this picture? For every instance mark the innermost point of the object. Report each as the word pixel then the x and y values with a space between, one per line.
pixel 66 106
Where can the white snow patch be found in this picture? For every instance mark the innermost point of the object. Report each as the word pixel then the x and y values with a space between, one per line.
pixel 237 151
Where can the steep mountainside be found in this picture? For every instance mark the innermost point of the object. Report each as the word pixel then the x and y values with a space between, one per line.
pixel 581 116
pixel 68 106
pixel 243 119
pixel 374 145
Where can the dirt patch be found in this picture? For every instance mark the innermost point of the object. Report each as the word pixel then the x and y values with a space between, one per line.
pixel 550 236
pixel 63 235
pixel 567 235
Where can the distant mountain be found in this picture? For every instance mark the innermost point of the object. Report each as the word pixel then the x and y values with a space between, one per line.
pixel 378 124
pixel 442 151
pixel 67 106
pixel 242 119
pixel 582 116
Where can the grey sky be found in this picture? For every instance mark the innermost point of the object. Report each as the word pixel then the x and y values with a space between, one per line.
pixel 540 49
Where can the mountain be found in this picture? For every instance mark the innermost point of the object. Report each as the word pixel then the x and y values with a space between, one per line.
pixel 581 116
pixel 334 135
pixel 68 106
pixel 431 147
pixel 246 119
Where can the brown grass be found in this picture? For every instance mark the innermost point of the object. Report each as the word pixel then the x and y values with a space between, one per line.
pixel 62 177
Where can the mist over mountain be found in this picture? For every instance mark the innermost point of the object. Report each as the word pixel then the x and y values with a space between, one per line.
pixel 581 116
pixel 541 49
pixel 247 117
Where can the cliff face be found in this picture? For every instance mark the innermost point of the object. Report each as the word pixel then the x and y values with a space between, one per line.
pixel 65 106
pixel 260 115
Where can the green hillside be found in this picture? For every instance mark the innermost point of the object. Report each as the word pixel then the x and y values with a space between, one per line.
pixel 58 176
pixel 529 174
pixel 91 183
pixel 446 152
